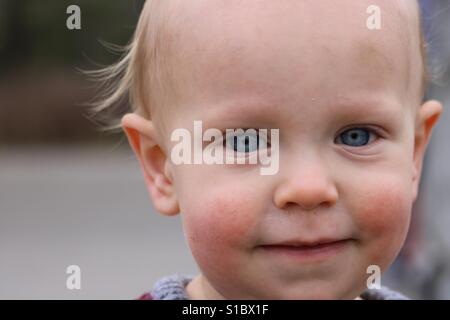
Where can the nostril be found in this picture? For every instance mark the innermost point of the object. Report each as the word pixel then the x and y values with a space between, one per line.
pixel 293 207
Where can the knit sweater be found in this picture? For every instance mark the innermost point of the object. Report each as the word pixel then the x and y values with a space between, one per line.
pixel 174 288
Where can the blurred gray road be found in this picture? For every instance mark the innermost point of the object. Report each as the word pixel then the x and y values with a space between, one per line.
pixel 83 206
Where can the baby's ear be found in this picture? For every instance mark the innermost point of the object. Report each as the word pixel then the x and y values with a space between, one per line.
pixel 154 164
pixel 427 116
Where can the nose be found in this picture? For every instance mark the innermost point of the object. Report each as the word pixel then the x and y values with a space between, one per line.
pixel 307 185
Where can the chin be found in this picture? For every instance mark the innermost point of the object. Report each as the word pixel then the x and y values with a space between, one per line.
pixel 321 291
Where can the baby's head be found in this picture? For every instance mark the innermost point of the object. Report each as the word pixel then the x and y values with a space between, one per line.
pixel 347 100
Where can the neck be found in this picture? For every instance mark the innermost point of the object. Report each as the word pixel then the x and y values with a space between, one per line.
pixel 200 289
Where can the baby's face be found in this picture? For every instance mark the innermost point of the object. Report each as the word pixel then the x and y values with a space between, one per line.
pixel 344 99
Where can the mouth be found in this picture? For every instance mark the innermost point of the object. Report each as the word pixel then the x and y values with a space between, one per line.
pixel 307 251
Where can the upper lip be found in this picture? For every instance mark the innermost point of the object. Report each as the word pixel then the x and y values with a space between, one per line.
pixel 306 243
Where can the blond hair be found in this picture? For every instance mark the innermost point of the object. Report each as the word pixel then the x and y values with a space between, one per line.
pixel 138 79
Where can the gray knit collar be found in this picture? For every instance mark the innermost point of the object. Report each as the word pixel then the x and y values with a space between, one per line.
pixel 171 287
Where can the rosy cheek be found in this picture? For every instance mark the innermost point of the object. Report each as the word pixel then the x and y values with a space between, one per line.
pixel 382 217
pixel 217 228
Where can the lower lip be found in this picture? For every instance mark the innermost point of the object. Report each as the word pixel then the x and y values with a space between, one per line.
pixel 310 253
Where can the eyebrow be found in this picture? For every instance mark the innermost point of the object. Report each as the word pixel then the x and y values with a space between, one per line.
pixel 371 106
pixel 262 112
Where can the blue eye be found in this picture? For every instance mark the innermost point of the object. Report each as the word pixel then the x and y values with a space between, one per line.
pixel 356 137
pixel 247 142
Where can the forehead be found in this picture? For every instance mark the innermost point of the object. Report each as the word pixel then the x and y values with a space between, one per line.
pixel 279 47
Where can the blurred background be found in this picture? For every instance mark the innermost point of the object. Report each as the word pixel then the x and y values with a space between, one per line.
pixel 70 194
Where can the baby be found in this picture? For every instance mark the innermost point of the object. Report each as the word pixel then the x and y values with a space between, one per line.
pixel 343 89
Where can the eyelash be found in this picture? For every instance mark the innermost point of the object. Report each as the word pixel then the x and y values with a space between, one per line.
pixel 224 139
pixel 370 130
